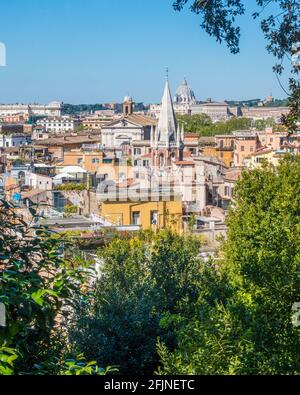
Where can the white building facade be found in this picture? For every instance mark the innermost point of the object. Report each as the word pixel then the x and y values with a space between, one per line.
pixel 50 109
pixel 14 140
pixel 58 124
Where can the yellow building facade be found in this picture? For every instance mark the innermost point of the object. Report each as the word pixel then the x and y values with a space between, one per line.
pixel 224 154
pixel 146 214
pixel 258 158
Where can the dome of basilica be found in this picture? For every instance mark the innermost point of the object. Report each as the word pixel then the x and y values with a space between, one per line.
pixel 184 94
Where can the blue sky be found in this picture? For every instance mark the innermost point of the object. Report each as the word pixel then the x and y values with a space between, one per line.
pixel 93 51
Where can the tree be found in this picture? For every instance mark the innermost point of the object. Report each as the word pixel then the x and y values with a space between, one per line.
pixel 202 124
pixel 143 280
pixel 249 329
pixel 280 28
pixel 36 282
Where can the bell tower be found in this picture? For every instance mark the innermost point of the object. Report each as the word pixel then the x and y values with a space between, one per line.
pixel 127 106
pixel 168 137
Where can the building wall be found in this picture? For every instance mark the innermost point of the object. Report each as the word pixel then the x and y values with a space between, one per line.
pixel 264 112
pixel 225 155
pixel 270 139
pixel 40 182
pixel 243 149
pixel 53 109
pixel 8 141
pixel 122 213
pixel 255 161
pixel 58 125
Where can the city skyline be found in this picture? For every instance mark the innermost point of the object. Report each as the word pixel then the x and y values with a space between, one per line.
pixel 62 51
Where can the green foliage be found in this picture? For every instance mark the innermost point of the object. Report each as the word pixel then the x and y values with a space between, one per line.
pixel 143 278
pixel 247 327
pixel 280 28
pixel 70 209
pixel 79 367
pixel 8 356
pixel 202 124
pixel 75 109
pixel 79 128
pixel 71 186
pixel 218 19
pixel 293 118
pixel 37 287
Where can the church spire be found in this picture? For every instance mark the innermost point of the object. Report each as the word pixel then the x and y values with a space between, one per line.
pixel 167 124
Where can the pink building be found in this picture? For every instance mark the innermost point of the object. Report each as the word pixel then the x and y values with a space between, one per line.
pixel 246 142
pixel 271 139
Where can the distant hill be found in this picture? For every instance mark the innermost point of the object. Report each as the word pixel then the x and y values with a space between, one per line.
pixel 254 103
pixel 74 109
pixel 243 103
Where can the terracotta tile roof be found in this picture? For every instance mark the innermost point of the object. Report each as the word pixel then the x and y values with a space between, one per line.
pixel 232 175
pixel 142 120
pixel 67 140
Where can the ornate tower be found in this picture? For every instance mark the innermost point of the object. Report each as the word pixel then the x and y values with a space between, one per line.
pixel 127 106
pixel 167 139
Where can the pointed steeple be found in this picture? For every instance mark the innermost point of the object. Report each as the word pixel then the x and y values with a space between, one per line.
pixel 167 124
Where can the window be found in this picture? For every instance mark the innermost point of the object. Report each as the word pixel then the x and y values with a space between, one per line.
pixel 226 191
pixel 145 163
pixel 79 161
pixel 242 148
pixel 95 161
pixel 161 161
pixel 137 151
pixel 136 218
pixel 154 217
pixel 251 149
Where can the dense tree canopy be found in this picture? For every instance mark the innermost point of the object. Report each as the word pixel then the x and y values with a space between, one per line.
pixel 202 124
pixel 36 283
pixel 143 279
pixel 250 329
